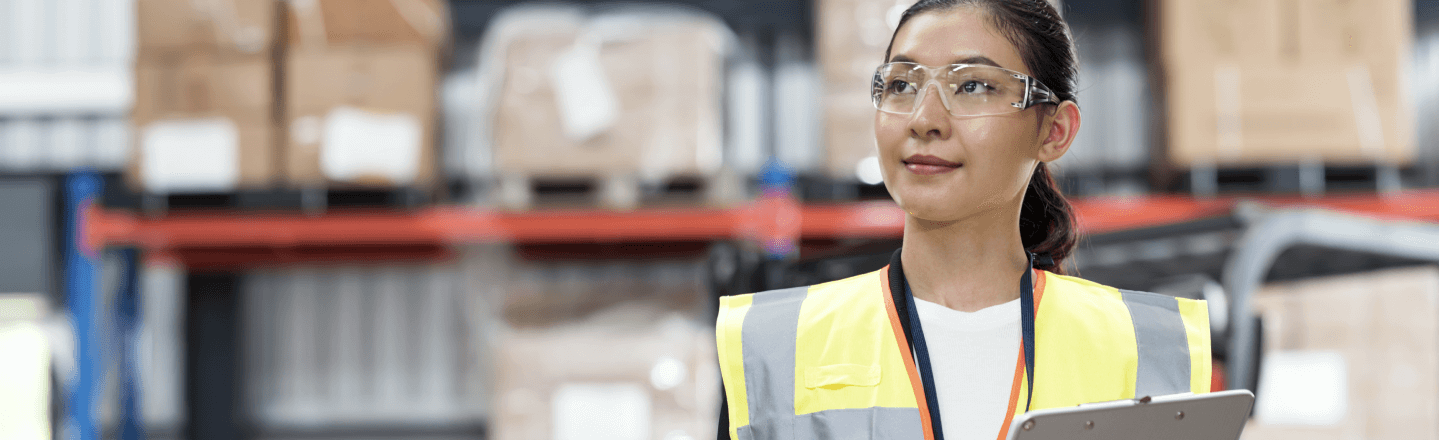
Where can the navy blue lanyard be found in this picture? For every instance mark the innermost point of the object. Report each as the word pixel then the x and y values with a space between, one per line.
pixel 921 351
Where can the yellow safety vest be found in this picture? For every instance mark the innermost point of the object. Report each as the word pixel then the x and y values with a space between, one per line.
pixel 831 360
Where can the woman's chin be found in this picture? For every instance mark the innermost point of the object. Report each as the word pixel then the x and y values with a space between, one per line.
pixel 930 207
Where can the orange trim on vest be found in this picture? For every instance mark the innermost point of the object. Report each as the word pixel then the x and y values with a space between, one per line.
pixel 1013 394
pixel 1019 366
pixel 1038 291
pixel 918 384
pixel 909 364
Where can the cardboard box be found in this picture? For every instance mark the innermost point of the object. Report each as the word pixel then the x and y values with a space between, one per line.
pixel 361 115
pixel 204 123
pixel 1375 335
pixel 633 374
pixel 644 100
pixel 585 345
pixel 238 26
pixel 360 82
pixel 330 23
pixel 1272 81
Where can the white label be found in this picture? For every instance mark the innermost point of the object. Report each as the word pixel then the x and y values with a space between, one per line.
pixel 1309 388
pixel 359 144
pixel 586 103
pixel 601 412
pixel 181 155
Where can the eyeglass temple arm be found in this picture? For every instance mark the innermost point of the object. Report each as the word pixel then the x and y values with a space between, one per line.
pixel 1033 93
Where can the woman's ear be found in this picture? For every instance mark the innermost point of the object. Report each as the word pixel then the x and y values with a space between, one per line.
pixel 1063 125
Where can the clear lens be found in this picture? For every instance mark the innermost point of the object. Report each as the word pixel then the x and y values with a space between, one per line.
pixel 966 90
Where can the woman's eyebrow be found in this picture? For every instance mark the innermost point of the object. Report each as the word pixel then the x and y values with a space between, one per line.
pixel 973 59
pixel 976 59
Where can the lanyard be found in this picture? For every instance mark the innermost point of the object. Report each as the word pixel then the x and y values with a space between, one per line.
pixel 921 350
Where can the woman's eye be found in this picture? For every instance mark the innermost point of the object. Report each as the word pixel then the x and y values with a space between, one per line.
pixel 900 86
pixel 974 87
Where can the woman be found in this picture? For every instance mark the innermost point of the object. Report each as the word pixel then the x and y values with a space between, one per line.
pixel 974 98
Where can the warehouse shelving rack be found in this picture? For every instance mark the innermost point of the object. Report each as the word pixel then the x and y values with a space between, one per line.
pixel 231 240
pixel 765 220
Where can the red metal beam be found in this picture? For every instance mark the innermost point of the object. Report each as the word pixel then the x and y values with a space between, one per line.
pixel 766 220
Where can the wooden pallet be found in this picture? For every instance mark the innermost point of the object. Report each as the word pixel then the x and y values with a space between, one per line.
pixel 1308 179
pixel 314 200
pixel 827 189
pixel 616 192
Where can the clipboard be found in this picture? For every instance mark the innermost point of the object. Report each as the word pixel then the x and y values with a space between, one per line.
pixel 1213 416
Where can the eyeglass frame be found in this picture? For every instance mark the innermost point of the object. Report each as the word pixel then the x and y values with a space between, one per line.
pixel 1035 92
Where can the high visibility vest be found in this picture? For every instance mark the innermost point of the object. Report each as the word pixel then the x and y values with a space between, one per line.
pixel 831 360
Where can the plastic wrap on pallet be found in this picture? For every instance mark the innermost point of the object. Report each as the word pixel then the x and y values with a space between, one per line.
pixel 1113 93
pixel 459 143
pixel 359 345
pixel 749 123
pixel 63 143
pixel 578 338
pixel 797 92
pixel 564 67
pixel 1426 83
pixel 65 84
pixel 162 347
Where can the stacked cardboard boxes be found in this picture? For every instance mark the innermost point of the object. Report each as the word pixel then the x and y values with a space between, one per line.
pixel 204 96
pixel 1350 357
pixel 633 92
pixel 359 91
pixel 614 347
pixel 1275 81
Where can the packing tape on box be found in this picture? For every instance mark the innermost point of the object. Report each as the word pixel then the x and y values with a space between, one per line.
pixel 1366 111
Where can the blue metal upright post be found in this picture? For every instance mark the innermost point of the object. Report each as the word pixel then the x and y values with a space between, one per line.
pixel 127 326
pixel 82 267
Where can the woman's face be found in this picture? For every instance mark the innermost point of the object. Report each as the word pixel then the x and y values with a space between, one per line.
pixel 993 156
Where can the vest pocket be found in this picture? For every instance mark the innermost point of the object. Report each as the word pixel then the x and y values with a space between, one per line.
pixel 838 375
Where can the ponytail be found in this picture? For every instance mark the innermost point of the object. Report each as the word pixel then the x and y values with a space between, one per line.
pixel 1046 222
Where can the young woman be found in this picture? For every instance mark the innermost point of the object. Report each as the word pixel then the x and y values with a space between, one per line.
pixel 973 99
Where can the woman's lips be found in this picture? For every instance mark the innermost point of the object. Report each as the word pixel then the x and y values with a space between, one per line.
pixel 924 164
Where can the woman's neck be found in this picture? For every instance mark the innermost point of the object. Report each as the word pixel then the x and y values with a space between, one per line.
pixel 966 265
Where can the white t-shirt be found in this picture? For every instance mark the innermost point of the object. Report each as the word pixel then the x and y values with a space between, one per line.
pixel 973 358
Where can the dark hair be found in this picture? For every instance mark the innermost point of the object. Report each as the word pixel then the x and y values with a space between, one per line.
pixel 1034 27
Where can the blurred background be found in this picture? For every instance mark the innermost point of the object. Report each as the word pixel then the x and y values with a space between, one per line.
pixel 430 219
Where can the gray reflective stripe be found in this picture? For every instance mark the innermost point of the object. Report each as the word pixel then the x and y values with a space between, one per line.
pixel 878 423
pixel 868 423
pixel 767 341
pixel 1163 344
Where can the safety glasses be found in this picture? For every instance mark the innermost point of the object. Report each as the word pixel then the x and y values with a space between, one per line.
pixel 965 89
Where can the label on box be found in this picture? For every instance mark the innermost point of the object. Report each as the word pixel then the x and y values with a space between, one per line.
pixel 601 411
pixel 1307 388
pixel 586 102
pixel 361 144
pixel 190 155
